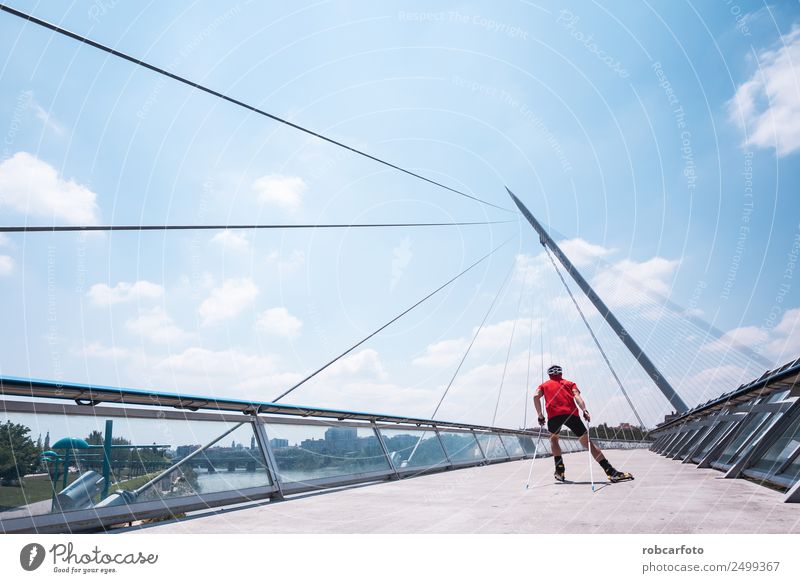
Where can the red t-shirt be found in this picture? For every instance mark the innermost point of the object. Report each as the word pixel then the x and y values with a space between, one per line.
pixel 558 397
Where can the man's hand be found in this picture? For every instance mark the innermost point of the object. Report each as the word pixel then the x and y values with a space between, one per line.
pixel 586 415
pixel 541 420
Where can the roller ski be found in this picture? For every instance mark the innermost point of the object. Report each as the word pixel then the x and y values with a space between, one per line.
pixel 615 476
pixel 560 471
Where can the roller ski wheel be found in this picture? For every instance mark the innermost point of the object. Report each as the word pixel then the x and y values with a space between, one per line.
pixel 615 476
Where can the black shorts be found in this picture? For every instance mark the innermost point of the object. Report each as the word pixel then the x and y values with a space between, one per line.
pixel 554 424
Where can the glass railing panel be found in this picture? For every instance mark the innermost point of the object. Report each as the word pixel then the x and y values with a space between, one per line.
pixel 413 449
pixel 687 446
pixel 461 447
pixel 528 444
pixel 779 452
pixel 745 434
pixel 513 446
pixel 309 452
pixel 792 472
pixel 544 446
pixel 678 443
pixel 714 435
pixel 57 462
pixel 492 446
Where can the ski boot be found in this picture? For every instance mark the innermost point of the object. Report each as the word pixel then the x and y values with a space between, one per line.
pixel 615 476
pixel 560 470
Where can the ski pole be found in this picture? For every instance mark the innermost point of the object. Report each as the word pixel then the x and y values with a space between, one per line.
pixel 535 451
pixel 591 457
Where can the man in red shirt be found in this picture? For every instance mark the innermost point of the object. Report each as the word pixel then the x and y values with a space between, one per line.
pixel 562 399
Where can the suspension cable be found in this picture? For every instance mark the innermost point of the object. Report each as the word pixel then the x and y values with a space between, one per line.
pixel 403 313
pixel 474 338
pixel 508 352
pixel 66 228
pixel 160 71
pixel 597 342
pixel 528 373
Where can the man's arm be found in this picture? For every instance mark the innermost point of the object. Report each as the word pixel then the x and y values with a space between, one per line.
pixel 581 403
pixel 537 402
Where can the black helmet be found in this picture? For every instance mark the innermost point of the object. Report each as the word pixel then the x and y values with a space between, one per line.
pixel 554 370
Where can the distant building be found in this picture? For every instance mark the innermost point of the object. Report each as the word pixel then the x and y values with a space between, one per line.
pixel 276 442
pixel 184 450
pixel 342 439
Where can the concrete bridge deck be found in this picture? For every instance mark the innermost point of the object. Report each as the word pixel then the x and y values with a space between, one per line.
pixel 666 497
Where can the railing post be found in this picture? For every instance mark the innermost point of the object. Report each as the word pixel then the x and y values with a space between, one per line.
pixel 480 447
pixel 444 449
pixel 503 445
pixel 385 450
pixel 266 448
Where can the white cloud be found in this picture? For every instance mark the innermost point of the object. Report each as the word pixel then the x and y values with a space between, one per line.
pixel 228 301
pixel 155 325
pixel 282 191
pixel 734 339
pixel 249 374
pixel 6 265
pixel 786 338
pixel 780 344
pixel 767 105
pixel 29 185
pixel 582 253
pixel 100 294
pixel 4 240
pixel 442 354
pixel 528 267
pixel 365 363
pixel 492 338
pixel 97 350
pixel 232 240
pixel 279 322
pixel 622 285
pixel 48 120
pixel 287 265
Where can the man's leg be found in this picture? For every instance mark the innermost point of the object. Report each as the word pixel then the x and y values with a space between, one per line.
pixel 555 447
pixel 596 451
pixel 613 475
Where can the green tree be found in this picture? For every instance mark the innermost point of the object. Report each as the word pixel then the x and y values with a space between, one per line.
pixel 95 438
pixel 18 453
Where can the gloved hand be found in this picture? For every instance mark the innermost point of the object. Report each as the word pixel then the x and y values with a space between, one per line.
pixel 541 420
pixel 586 415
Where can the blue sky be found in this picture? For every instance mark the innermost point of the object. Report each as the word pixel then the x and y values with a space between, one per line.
pixel 657 139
